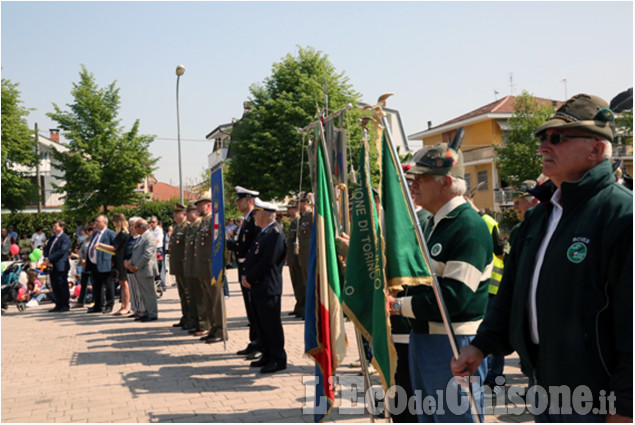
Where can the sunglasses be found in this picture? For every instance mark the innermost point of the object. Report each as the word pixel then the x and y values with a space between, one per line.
pixel 557 138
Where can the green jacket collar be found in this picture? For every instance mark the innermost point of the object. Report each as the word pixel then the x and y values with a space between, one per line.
pixel 597 178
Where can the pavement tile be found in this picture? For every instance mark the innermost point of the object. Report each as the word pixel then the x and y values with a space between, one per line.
pixel 102 368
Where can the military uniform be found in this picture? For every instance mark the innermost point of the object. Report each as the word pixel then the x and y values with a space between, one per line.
pixel 298 280
pixel 304 238
pixel 210 294
pixel 263 265
pixel 177 255
pixel 197 306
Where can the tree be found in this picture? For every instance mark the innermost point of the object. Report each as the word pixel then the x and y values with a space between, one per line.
pixel 266 147
pixel 104 163
pixel 517 159
pixel 18 150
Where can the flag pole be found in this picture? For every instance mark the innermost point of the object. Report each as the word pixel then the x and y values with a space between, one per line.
pixel 426 255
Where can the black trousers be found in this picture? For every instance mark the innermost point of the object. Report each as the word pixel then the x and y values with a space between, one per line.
pixel 267 311
pixel 402 379
pixel 59 284
pixel 102 283
pixel 82 293
pixel 249 309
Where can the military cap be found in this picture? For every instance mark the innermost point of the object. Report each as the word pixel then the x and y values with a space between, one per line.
pixel 439 160
pixel 244 193
pixel 293 203
pixel 203 198
pixel 191 206
pixel 524 188
pixel 264 206
pixel 583 112
pixel 178 207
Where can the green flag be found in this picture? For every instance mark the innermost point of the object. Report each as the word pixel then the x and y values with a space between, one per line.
pixel 364 294
pixel 405 264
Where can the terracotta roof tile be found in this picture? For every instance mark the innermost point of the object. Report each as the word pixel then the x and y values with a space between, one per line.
pixel 502 106
pixel 164 192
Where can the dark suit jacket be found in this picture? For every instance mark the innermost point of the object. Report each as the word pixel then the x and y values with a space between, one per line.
pixel 265 260
pixel 58 256
pixel 248 233
pixel 104 260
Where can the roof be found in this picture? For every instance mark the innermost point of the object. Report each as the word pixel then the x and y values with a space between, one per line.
pixel 220 130
pixel 500 108
pixel 164 192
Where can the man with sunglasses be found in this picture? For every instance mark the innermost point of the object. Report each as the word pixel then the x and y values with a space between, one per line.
pixel 565 304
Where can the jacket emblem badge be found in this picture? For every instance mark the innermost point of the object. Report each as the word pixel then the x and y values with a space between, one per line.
pixel 436 249
pixel 577 252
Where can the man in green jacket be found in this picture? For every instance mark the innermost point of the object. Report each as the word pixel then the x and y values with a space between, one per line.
pixel 566 300
pixel 461 249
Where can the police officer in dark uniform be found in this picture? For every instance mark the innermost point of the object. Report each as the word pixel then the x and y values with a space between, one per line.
pixel 248 232
pixel 263 267
pixel 177 253
pixel 304 237
pixel 293 260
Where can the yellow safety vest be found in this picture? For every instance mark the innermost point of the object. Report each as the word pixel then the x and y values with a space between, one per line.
pixel 497 271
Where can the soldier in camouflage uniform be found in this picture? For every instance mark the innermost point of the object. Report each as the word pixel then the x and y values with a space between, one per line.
pixel 200 323
pixel 298 280
pixel 304 238
pixel 177 252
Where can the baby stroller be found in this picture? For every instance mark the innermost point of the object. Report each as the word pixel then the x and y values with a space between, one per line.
pixel 158 282
pixel 11 286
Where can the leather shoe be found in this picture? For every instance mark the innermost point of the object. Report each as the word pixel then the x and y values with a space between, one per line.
pixel 148 318
pixel 293 313
pixel 247 350
pixel 93 310
pixel 63 309
pixel 273 367
pixel 178 325
pixel 259 363
pixel 253 355
pixel 213 339
pixel 107 310
pixel 54 310
pixel 200 333
pixel 140 318
pixel 187 327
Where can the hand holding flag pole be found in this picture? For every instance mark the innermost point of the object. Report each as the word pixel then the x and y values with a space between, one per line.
pixel 380 114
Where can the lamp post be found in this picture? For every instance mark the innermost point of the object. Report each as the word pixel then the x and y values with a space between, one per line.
pixel 180 70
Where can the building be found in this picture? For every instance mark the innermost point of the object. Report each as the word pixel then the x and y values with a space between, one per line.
pixel 220 138
pixel 49 173
pixel 484 128
pixel 154 190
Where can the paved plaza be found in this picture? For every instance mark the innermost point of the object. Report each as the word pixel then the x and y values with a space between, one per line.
pixel 78 367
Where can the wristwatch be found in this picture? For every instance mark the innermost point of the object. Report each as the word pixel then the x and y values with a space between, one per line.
pixel 396 306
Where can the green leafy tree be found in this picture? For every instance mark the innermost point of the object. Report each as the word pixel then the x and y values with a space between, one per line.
pixel 517 159
pixel 624 125
pixel 104 162
pixel 266 148
pixel 18 150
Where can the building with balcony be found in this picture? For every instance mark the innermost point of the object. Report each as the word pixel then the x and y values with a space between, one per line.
pixel 485 128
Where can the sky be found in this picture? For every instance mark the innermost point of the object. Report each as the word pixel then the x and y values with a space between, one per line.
pixel 441 59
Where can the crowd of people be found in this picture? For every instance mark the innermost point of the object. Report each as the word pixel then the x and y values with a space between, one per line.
pixel 559 292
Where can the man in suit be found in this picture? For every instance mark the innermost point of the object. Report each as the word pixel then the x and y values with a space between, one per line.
pixel 56 256
pixel 263 277
pixel 246 236
pixel 144 265
pixel 99 264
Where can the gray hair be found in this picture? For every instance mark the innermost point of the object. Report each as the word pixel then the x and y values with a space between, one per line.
pixel 608 149
pixel 458 187
pixel 133 220
pixel 104 218
pixel 143 223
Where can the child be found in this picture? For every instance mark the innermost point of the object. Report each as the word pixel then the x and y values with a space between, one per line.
pixel 35 293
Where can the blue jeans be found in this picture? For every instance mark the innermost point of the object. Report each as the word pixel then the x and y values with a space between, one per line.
pixel 495 369
pixel 441 397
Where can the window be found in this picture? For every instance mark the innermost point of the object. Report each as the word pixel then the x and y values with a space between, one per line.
pixel 481 176
pixel 468 180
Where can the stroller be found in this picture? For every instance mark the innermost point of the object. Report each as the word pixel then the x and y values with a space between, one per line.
pixel 11 286
pixel 158 282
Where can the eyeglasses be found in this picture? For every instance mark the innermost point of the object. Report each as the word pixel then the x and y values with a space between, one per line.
pixel 557 138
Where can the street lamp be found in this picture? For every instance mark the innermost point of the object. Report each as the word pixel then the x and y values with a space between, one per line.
pixel 180 70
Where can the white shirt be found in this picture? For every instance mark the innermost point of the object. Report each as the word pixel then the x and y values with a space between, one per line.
pixel 554 219
pixel 158 235
pixel 92 252
pixel 38 239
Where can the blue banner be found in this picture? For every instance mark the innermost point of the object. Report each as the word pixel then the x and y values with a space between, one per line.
pixel 218 225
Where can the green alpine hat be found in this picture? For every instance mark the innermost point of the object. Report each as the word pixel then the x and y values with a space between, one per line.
pixel 178 207
pixel 438 160
pixel 583 112
pixel 190 207
pixel 524 188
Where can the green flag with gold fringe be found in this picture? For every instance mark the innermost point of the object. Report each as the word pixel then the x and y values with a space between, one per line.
pixel 364 296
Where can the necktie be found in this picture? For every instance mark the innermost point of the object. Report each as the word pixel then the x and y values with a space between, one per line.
pixel 92 255
pixel 53 244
